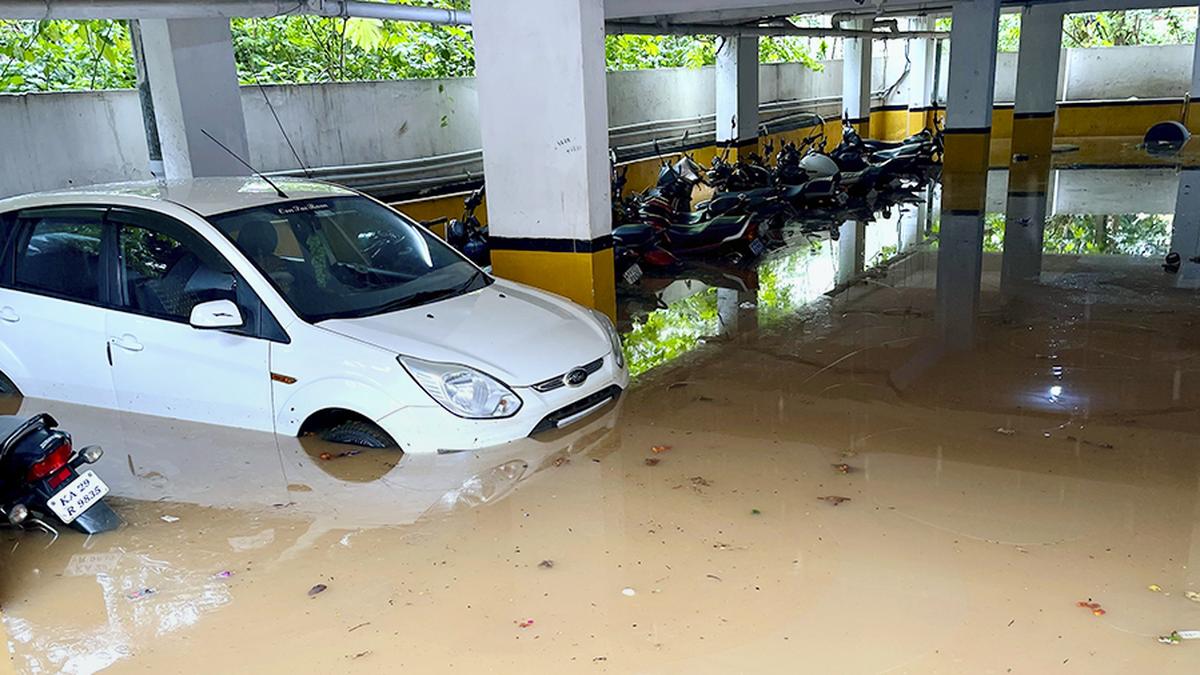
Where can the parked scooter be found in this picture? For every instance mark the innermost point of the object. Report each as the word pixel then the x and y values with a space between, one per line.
pixel 41 478
pixel 467 234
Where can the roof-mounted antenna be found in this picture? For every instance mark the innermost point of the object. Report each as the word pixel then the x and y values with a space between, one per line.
pixel 246 164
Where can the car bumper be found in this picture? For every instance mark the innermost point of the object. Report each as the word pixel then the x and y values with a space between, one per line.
pixel 434 430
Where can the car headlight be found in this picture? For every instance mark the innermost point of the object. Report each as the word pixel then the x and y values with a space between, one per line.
pixel 614 338
pixel 464 391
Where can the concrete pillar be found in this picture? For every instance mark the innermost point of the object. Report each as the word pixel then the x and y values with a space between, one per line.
pixel 194 86
pixel 920 98
pixel 545 145
pixel 1033 137
pixel 1193 112
pixel 1185 231
pixel 973 35
pixel 852 242
pixel 737 94
pixel 910 225
pixel 1037 80
pixel 856 79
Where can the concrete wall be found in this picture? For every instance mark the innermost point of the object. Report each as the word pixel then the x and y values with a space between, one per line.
pixel 58 139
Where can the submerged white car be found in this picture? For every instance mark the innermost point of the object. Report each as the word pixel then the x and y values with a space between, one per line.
pixel 314 308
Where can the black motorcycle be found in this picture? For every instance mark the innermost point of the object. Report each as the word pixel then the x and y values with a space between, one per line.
pixel 42 478
pixel 467 234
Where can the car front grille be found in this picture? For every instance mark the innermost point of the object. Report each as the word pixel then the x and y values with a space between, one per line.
pixel 556 418
pixel 559 381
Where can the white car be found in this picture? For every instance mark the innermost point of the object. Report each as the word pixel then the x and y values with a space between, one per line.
pixel 314 308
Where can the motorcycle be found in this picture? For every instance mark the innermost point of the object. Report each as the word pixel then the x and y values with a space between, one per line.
pixel 467 234
pixel 42 476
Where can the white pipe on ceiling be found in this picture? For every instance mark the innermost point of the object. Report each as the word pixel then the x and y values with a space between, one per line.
pixel 176 9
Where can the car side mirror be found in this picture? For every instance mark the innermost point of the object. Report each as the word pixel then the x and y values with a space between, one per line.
pixel 216 314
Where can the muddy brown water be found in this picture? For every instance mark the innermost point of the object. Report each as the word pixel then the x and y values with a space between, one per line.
pixel 987 492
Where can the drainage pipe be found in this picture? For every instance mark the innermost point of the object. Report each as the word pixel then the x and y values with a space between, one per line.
pixel 635 28
pixel 177 9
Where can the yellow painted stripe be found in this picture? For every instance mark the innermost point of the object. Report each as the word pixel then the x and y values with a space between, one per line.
pixel 586 278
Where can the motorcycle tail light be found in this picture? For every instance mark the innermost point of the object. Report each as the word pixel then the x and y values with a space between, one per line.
pixel 51 463
pixel 660 258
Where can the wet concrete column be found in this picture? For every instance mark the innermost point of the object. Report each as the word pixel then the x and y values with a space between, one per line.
pixel 1033 138
pixel 856 78
pixel 921 53
pixel 190 62
pixel 973 35
pixel 545 145
pixel 1185 231
pixel 1193 112
pixel 851 245
pixel 910 225
pixel 737 95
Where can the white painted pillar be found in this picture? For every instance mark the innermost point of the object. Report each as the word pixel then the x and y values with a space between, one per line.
pixel 1037 61
pixel 1185 230
pixel 852 242
pixel 920 91
pixel 973 35
pixel 1193 113
pixel 737 91
pixel 856 79
pixel 194 86
pixel 545 145
pixel 910 225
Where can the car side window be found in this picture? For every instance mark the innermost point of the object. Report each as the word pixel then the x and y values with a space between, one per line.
pixel 59 254
pixel 166 269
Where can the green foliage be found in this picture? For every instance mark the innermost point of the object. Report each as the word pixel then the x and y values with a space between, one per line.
pixel 1131 27
pixel 669 333
pixel 636 52
pixel 66 55
pixel 56 55
pixel 1107 29
pixel 1136 234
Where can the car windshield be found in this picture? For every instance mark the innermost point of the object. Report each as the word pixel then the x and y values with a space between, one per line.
pixel 347 257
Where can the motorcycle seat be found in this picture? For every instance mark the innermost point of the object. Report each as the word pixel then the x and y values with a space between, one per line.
pixel 708 233
pixel 634 235
pixel 13 429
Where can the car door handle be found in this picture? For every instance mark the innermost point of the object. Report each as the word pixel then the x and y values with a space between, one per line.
pixel 9 314
pixel 129 343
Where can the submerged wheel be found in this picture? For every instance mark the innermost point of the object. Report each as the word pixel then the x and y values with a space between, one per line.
pixel 360 433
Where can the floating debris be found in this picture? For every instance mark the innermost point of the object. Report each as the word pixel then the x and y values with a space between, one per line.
pixel 660 449
pixel 139 594
pixel 1177 636
pixel 224 574
pixel 652 461
pixel 755 512
pixel 1155 588
pixel 169 519
pixel 319 588
pixel 834 500
pixel 546 564
pixel 628 592
pixel 1005 431
pixel 1093 606
pixel 842 468
pixel 700 481
pixel 1192 595
pixel 523 623
pixel 559 461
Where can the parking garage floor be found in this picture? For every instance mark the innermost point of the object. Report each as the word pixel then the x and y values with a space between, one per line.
pixel 799 480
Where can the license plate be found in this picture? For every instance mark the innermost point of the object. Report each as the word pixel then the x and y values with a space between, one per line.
pixel 757 247
pixel 632 274
pixel 78 496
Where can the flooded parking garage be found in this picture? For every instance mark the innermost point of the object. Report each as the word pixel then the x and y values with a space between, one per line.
pixel 806 466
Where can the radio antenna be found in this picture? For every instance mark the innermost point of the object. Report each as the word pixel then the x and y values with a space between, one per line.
pixel 246 164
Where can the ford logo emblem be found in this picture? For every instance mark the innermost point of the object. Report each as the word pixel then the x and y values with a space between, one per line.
pixel 575 377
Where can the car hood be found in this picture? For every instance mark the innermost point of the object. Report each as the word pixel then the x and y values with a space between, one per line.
pixel 507 330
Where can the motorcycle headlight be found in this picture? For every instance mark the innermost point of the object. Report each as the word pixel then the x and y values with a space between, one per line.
pixel 464 391
pixel 614 338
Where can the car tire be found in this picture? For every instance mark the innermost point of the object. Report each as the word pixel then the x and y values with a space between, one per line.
pixel 360 433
